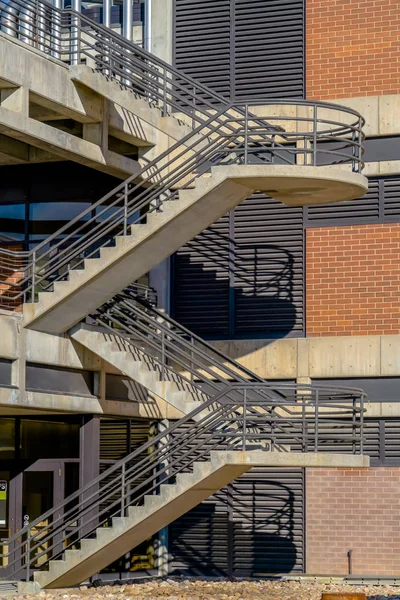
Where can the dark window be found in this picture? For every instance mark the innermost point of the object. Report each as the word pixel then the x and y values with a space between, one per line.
pixel 44 378
pixel 242 49
pixel 123 388
pixel 5 371
pixel 378 389
pixel 49 439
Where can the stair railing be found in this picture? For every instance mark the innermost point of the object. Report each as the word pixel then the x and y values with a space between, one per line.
pixel 223 139
pixel 250 421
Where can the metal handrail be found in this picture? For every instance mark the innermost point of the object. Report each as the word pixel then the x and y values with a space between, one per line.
pixel 223 134
pixel 223 139
pixel 241 417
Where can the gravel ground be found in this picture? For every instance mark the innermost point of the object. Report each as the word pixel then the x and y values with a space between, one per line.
pixel 191 589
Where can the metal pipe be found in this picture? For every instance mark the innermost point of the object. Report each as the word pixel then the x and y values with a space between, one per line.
pixel 127 20
pixel 9 18
pixel 55 41
pixel 26 25
pixel 107 12
pixel 75 33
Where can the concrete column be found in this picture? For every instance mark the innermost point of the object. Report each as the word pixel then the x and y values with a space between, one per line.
pixel 89 449
pixel 161 29
pixel 159 279
pixel 161 541
pixel 97 133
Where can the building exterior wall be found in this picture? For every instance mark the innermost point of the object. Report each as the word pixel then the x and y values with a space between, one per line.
pixel 352 48
pixel 352 280
pixel 353 509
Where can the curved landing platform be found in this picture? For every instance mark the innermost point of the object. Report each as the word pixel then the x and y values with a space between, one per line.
pixel 297 185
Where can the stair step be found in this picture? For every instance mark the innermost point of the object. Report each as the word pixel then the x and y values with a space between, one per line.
pixel 104 533
pixel 152 501
pixel 56 567
pixel 184 479
pixel 73 557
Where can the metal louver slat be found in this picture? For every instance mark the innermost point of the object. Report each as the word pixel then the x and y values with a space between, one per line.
pixel 202 41
pixel 268 272
pixel 253 527
pixel 363 210
pixel 201 276
pixel 268 522
pixel 269 49
pixel 244 49
pixel 391 188
pixel 392 442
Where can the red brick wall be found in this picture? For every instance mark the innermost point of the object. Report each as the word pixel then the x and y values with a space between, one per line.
pixel 353 509
pixel 352 48
pixel 353 280
pixel 8 278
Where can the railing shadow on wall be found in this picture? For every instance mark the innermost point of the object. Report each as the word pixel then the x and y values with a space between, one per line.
pixel 238 290
pixel 239 539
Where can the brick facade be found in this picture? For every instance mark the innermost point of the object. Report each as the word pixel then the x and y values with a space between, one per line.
pixel 353 280
pixel 11 278
pixel 352 48
pixel 353 509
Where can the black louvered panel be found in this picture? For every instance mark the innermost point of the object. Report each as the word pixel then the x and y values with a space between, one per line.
pixel 202 41
pixel 198 539
pixel 118 437
pixel 392 199
pixel 201 282
pixel 392 442
pixel 268 522
pixel 269 49
pixel 268 267
pixel 372 444
pixel 114 442
pixel 363 210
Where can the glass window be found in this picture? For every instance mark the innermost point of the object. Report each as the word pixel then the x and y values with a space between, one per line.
pixel 49 439
pixel 46 218
pixel 12 223
pixel 7 438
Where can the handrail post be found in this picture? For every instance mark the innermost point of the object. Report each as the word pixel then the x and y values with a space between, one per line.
pixel 244 419
pixel 162 355
pixel 360 135
pixel 123 490
pixel 315 124
pixel 246 132
pixel 362 424
pixel 28 553
pixel 126 209
pixel 164 110
pixel 33 280
pixel 316 420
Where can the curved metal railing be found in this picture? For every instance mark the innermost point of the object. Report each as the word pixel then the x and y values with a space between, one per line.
pixel 243 417
pixel 288 132
pixel 231 135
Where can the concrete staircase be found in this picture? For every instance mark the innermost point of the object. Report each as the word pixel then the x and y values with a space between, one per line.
pixel 173 501
pixel 165 232
pixel 139 367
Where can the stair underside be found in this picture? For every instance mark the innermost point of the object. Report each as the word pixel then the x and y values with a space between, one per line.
pixel 138 367
pixel 165 232
pixel 173 501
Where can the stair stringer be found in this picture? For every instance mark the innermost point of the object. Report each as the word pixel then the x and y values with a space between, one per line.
pixel 184 398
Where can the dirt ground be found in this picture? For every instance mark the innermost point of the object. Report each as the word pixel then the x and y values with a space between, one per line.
pixel 190 589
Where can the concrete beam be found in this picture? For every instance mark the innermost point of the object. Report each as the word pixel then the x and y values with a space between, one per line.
pixel 70 147
pixel 47 80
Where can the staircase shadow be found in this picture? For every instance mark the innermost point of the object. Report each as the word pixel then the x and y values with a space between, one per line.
pixel 227 290
pixel 228 536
